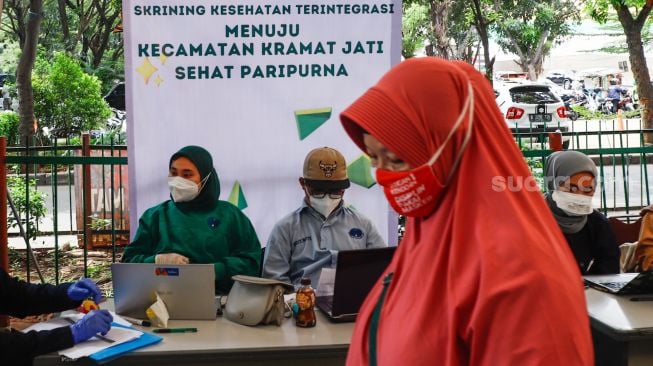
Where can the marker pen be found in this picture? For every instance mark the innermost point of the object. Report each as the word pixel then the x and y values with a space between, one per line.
pixel 144 323
pixel 175 330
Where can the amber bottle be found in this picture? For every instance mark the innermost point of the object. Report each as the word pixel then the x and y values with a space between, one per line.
pixel 306 302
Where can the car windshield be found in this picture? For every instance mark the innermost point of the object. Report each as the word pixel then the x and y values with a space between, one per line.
pixel 533 95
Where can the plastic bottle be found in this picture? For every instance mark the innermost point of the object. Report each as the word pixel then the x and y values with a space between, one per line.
pixel 306 301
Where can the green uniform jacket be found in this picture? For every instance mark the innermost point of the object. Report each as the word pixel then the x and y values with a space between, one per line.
pixel 223 236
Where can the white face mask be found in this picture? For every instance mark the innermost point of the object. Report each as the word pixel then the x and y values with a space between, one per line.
pixel 324 205
pixel 573 204
pixel 184 190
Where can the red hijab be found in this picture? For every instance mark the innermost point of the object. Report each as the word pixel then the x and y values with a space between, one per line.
pixel 487 278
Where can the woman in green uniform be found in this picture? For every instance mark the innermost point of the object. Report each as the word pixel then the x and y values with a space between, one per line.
pixel 194 226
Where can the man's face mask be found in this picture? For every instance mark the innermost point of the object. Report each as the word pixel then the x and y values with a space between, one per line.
pixel 324 205
pixel 184 190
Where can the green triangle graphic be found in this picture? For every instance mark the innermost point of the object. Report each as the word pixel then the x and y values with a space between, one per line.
pixel 309 120
pixel 236 197
pixel 359 172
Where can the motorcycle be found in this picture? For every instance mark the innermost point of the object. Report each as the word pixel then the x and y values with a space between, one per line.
pixel 571 100
pixel 626 102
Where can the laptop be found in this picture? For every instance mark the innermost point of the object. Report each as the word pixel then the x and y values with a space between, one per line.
pixel 622 283
pixel 356 273
pixel 188 290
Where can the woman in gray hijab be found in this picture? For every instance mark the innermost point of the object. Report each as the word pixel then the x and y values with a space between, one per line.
pixel 571 183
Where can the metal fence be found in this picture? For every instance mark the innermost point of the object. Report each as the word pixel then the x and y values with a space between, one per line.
pixel 617 148
pixel 87 181
pixel 83 184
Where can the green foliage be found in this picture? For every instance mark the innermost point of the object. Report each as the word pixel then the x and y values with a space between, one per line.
pixel 98 223
pixel 414 28
pixel 524 26
pixel 584 113
pixel 108 73
pixel 535 165
pixel 96 270
pixel 18 191
pixel 66 98
pixel 9 55
pixel 9 122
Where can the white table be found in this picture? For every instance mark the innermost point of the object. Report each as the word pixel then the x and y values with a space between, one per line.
pixel 226 343
pixel 622 329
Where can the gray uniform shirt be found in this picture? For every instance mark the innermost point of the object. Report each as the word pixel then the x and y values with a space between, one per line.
pixel 304 242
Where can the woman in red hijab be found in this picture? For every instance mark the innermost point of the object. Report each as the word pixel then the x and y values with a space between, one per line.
pixel 483 275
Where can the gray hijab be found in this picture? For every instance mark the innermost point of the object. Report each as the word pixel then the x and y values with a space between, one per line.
pixel 560 166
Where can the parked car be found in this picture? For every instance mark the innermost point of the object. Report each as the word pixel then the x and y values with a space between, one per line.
pixel 563 79
pixel 116 97
pixel 532 110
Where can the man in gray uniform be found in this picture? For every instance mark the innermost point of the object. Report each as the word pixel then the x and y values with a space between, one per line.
pixel 309 238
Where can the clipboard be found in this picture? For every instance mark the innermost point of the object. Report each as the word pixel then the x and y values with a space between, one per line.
pixel 111 353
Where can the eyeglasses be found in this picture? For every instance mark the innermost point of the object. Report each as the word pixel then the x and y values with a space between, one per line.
pixel 332 194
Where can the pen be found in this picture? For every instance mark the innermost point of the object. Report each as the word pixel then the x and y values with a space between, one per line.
pixel 144 323
pixel 641 299
pixel 589 266
pixel 175 330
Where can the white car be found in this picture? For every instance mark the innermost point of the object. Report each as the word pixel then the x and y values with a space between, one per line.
pixel 532 110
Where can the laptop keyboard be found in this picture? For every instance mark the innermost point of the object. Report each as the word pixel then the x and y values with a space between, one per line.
pixel 616 286
pixel 325 303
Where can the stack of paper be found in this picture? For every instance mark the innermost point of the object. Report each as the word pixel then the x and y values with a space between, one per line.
pixel 117 341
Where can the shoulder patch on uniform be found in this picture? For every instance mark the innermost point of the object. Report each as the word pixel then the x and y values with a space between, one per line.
pixel 356 233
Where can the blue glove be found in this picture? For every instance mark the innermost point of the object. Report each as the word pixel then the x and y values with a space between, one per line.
pixel 83 289
pixel 97 321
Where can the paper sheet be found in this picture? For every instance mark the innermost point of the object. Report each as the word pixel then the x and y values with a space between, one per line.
pixel 326 281
pixel 118 335
pixel 158 313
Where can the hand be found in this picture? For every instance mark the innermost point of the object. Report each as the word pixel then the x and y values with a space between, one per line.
pixel 97 321
pixel 170 258
pixel 645 263
pixel 83 289
pixel 644 257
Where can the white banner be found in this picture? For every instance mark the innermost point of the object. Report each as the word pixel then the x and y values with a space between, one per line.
pixel 257 84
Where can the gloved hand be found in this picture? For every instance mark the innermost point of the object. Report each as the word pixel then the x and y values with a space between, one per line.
pixel 170 258
pixel 83 289
pixel 97 321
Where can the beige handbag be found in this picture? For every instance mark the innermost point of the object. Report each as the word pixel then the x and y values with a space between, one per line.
pixel 255 300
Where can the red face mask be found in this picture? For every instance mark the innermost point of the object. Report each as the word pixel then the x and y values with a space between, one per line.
pixel 416 192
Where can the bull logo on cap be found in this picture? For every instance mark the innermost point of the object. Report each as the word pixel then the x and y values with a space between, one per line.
pixel 328 169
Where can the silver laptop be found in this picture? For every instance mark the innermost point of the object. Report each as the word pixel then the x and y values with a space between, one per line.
pixel 188 290
pixel 622 283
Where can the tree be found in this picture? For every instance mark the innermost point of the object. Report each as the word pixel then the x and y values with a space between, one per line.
pixel 28 123
pixel 439 13
pixel 529 28
pixel 632 15
pixel 67 99
pixel 462 33
pixel 484 17
pixel 445 24
pixel 82 28
pixel 414 25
